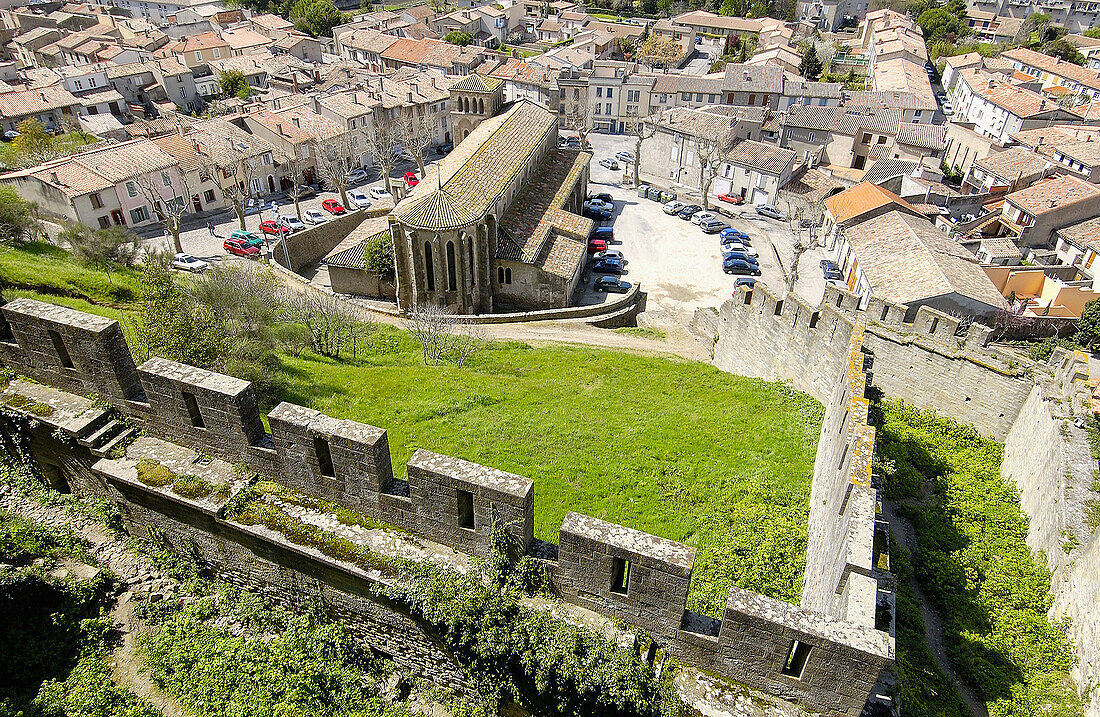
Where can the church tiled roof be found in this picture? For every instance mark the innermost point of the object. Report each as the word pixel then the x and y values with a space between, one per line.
pixel 477 83
pixel 538 213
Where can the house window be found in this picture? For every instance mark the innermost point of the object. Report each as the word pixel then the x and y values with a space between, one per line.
pixel 685 96
pixel 752 99
pixel 139 215
pixel 598 108
pixel 620 575
pixel 166 179
pixel 217 53
pixel 698 96
pixel 507 276
pixel 882 140
pixel 599 92
pixel 609 91
pixel 97 202
pixel 608 108
pixel 131 189
pixel 104 223
pixel 710 99
pixel 266 158
pixel 208 195
pixel 810 136
pixel 198 56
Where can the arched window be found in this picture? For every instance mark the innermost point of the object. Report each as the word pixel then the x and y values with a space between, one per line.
pixel 500 274
pixel 429 266
pixel 452 272
pixel 481 106
pixel 465 133
pixel 470 265
pixel 507 276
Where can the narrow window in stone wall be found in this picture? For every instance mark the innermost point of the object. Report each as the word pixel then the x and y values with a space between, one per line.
pixel 452 273
pixel 932 328
pixel 62 352
pixel 885 312
pixel 193 410
pixel 778 308
pixel 465 509
pixel 500 274
pixel 620 575
pixel 429 266
pixel 813 319
pixel 748 297
pixel 324 457
pixel 796 659
pixel 507 276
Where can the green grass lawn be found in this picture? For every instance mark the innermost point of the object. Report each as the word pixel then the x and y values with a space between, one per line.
pixel 671 447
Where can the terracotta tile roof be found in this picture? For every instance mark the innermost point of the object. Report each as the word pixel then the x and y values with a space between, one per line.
pixel 901 75
pixel 538 212
pixel 702 18
pixel 72 177
pixel 494 154
pixel 1052 194
pixel 1014 162
pixel 243 39
pixel 761 156
pixel 740 77
pixel 118 162
pixel 1045 140
pixel 861 199
pixel 351 252
pixel 1017 100
pixel 1000 248
pixel 22 103
pixel 202 41
pixel 477 83
pixel 924 136
pixel 182 149
pixel 1055 66
pixel 1086 233
pixel 906 259
pixel 271 22
pixel 1087 153
pixel 670 84
pixel 886 100
pixel 888 168
pixel 367 40
pixel 813 185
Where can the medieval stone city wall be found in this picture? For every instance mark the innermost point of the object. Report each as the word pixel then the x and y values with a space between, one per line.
pixel 826 656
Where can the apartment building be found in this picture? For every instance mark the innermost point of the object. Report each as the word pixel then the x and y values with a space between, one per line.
pixel 998 108
pixel 1082 82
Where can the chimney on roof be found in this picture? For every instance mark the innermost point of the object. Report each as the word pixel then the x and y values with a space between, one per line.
pixel 279 128
pixel 410 97
pixel 1052 203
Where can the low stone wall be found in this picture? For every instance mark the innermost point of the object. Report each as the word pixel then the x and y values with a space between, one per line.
pixel 309 246
pixel 799 653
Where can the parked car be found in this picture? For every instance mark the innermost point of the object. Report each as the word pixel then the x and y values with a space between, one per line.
pixel 948 108
pixel 186 262
pixel 611 164
pixel 735 234
pixel 746 281
pixel 673 207
pixel 333 207
pixel 359 199
pixel 713 226
pixel 268 226
pixel 700 217
pixel 625 157
pixel 312 216
pixel 603 197
pixel 608 266
pixel 732 198
pixel 294 224
pixel 595 246
pixel 596 210
pixel 378 193
pixel 610 254
pixel 689 210
pixel 411 180
pixel 10 135
pixel 740 256
pixel 739 266
pixel 768 210
pixel 240 248
pixel 356 176
pixel 247 237
pixel 605 233
pixel 736 247
pixel 573 143
pixel 611 283
pixel 831 271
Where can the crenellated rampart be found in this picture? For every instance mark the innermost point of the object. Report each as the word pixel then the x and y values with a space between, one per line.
pixel 825 655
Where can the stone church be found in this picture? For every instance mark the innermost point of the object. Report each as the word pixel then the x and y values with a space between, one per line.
pixel 495 225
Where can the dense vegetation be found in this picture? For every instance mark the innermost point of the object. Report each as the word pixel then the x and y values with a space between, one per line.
pixel 974 565
pixel 53 637
pixel 675 448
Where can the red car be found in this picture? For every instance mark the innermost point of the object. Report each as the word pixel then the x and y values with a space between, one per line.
pixel 410 179
pixel 732 198
pixel 595 245
pixel 270 227
pixel 333 206
pixel 240 248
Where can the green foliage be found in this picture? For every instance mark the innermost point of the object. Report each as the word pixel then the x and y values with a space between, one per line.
pixel 974 564
pixel 89 691
pixel 316 17
pixel 811 66
pixel 154 473
pixel 309 669
pixel 23 403
pixel 33 140
pixel 378 256
pixel 851 81
pixel 17 221
pixel 925 690
pixel 44 268
pixel 457 37
pixel 1093 33
pixel 232 83
pixel 102 249
pixel 1063 48
pixel 22 540
pixel 641 331
pixel 939 23
pixel 1088 327
pixel 514 653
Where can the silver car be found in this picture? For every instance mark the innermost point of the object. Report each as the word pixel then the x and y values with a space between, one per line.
pixel 312 216
pixel 768 210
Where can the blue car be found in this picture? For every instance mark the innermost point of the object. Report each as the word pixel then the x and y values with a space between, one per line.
pixel 608 265
pixel 727 233
pixel 596 210
pixel 741 256
pixel 739 266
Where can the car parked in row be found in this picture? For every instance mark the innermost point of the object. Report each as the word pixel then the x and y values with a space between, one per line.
pixel 735 234
pixel 312 216
pixel 734 199
pixel 268 226
pixel 746 281
pixel 768 210
pixel 625 157
pixel 595 246
pixel 411 180
pixel 358 198
pixel 733 265
pixel 357 176
pixel 610 254
pixel 729 247
pixel 608 163
pixel 294 224
pixel 688 211
pixel 674 207
pixel 612 284
pixel 186 262
pixel 379 193
pixel 700 217
pixel 240 248
pixel 713 225
pixel 250 238
pixel 605 233
pixel 595 209
pixel 604 197
pixel 333 207
pixel 607 265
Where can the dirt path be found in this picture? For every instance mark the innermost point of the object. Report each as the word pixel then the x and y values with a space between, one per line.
pixel 139 579
pixel 933 624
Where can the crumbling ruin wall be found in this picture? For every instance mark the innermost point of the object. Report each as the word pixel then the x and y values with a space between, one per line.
pixel 825 655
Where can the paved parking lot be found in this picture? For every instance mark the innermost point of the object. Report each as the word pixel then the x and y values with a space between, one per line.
pixel 678 265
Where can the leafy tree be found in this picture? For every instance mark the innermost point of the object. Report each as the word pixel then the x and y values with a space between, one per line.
pixel 811 65
pixel 1093 33
pixel 728 8
pixel 233 84
pixel 457 37
pixel 1065 49
pixel 940 23
pixel 34 143
pixel 316 17
pixel 1088 328
pixel 378 257
pixel 17 221
pixel 102 248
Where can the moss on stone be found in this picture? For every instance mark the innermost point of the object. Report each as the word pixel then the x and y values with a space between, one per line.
pixel 345 515
pixel 23 403
pixel 192 486
pixel 154 473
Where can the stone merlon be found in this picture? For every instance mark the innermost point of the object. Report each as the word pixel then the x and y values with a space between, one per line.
pixel 198 377
pixel 472 474
pixel 668 552
pixel 320 423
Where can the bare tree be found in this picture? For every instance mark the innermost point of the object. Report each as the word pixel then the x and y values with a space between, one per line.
pixel 712 153
pixel 159 190
pixel 806 218
pixel 431 326
pixel 380 141
pixel 660 52
pixel 578 118
pixel 417 134
pixel 642 128
pixel 469 338
pixel 336 157
pixel 234 174
pixel 294 169
pixel 331 328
